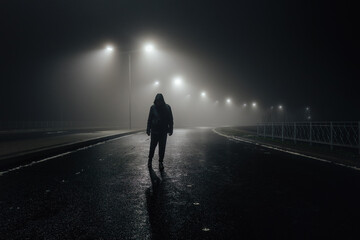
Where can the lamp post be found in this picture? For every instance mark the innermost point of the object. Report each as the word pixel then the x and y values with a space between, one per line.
pixel 147 48
pixel 129 55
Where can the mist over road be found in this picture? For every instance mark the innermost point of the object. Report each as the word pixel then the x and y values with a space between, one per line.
pixel 211 188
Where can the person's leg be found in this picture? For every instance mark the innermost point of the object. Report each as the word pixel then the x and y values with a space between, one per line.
pixel 153 142
pixel 162 146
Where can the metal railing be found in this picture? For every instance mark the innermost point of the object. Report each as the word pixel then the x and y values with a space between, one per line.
pixel 343 134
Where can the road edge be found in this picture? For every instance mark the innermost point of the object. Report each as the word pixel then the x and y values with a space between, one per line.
pixel 36 155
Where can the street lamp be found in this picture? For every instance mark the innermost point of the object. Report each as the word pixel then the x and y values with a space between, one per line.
pixel 109 49
pixel 307 113
pixel 228 100
pixel 147 48
pixel 254 104
pixel 177 81
pixel 203 94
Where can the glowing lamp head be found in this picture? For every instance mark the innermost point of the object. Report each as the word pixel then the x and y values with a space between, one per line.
pixel 228 100
pixel 109 49
pixel 178 81
pixel 156 83
pixel 254 104
pixel 280 107
pixel 203 94
pixel 149 48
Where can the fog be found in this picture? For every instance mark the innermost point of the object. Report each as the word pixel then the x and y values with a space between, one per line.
pixel 93 88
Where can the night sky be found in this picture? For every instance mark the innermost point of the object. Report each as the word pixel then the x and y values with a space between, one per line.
pixel 295 53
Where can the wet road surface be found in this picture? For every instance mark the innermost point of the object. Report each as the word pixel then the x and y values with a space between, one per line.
pixel 211 188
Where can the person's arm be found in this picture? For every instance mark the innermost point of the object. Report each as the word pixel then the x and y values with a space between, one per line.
pixel 148 128
pixel 171 122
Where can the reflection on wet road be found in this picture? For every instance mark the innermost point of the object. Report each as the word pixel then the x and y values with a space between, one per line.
pixel 211 188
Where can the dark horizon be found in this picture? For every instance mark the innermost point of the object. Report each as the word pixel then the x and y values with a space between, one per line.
pixel 296 54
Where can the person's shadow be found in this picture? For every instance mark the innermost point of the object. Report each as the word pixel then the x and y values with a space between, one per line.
pixel 155 199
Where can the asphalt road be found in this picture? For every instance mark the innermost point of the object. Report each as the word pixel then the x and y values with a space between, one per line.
pixel 211 188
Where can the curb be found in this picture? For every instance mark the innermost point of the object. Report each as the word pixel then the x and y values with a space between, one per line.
pixel 36 155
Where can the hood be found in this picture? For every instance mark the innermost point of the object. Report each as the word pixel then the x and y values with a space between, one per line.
pixel 159 100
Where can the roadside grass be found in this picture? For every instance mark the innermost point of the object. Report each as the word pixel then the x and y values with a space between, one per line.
pixel 343 155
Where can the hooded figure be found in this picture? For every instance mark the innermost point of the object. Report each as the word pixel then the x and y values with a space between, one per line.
pixel 159 124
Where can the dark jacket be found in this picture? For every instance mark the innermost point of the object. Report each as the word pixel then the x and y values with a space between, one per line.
pixel 160 118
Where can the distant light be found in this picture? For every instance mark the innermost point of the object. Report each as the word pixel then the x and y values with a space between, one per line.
pixel 307 108
pixel 157 83
pixel 228 100
pixel 109 48
pixel 280 107
pixel 149 48
pixel 217 101
pixel 308 117
pixel 244 104
pixel 178 81
pixel 272 107
pixel 254 104
pixel 203 94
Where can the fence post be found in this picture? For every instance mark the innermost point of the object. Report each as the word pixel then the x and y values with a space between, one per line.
pixel 264 130
pixel 295 132
pixel 310 134
pixel 331 135
pixel 282 131
pixel 272 130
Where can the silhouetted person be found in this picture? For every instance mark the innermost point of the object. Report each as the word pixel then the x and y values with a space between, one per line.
pixel 159 124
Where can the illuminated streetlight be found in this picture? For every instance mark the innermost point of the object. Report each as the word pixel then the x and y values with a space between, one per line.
pixel 254 104
pixel 156 83
pixel 280 107
pixel 203 94
pixel 178 81
pixel 109 48
pixel 244 104
pixel 228 100
pixel 149 48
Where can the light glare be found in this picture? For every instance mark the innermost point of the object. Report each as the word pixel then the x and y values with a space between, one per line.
pixel 178 81
pixel 149 48
pixel 109 48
